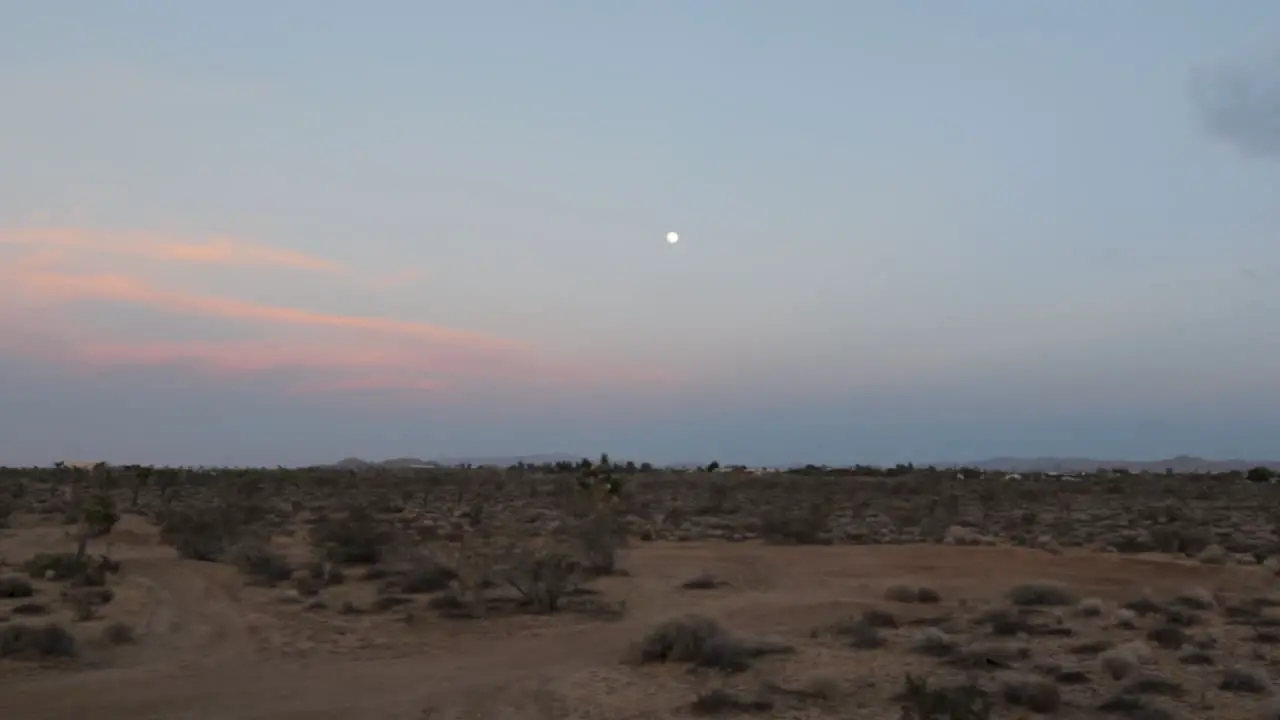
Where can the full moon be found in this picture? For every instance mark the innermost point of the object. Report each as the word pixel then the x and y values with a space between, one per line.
pixel 673 237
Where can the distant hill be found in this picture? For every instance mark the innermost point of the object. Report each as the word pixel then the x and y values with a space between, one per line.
pixel 508 460
pixel 1179 464
pixel 355 463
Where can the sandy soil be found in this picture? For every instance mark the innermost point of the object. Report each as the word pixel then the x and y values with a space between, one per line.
pixel 209 646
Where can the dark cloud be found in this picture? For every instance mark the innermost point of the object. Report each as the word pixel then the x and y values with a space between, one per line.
pixel 1240 104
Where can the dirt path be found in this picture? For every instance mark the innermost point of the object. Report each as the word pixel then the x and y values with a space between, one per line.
pixel 198 658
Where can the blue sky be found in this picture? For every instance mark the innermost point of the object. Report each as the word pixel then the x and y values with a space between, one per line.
pixel 288 232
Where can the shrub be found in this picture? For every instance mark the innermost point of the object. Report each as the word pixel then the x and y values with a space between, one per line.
pixel 1040 594
pixel 13 586
pixel 701 641
pixel 55 566
pixel 426 575
pixel 357 538
pixel 704 581
pixel 541 578
pixel 1253 681
pixel 1031 692
pixel 260 562
pixel 681 639
pixel 118 633
pixel 36 642
pixel 961 702
pixel 196 536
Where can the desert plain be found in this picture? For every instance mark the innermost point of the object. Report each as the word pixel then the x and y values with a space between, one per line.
pixel 610 592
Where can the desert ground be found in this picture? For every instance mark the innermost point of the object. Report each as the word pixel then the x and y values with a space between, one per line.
pixel 614 593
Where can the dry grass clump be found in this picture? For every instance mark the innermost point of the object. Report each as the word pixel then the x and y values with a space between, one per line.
pixel 118 633
pixel 703 581
pixel 1246 680
pixel 1169 637
pixel 1040 594
pixel 936 643
pixel 1035 693
pixel 1090 607
pixel 903 593
pixel 701 641
pixel 1120 662
pixel 863 635
pixel 719 701
pixel 1137 707
pixel 863 632
pixel 1153 685
pixel 1196 598
pixel 678 640
pixel 919 701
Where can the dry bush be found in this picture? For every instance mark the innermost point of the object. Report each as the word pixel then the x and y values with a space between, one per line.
pixel 541 577
pixel 259 562
pixel 1040 594
pixel 1246 680
pixel 703 581
pixel 1120 662
pixel 936 643
pixel 1034 693
pixel 84 602
pixel 118 633
pixel 196 534
pixel 36 642
pixel 598 538
pixel 919 701
pixel 1090 607
pixel 424 575
pixel 356 538
pixel 12 586
pixel 700 641
pixel 719 701
pixel 81 571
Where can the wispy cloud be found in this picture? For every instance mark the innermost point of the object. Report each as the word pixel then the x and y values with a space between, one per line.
pixel 299 350
pixel 213 250
pixel 122 288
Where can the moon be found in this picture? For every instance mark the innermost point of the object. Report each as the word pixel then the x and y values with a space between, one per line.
pixel 673 237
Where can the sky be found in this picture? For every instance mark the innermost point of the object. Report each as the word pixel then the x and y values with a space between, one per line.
pixel 290 232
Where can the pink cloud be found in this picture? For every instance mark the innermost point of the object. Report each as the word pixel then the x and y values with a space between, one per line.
pixel 121 288
pixel 208 251
pixel 343 354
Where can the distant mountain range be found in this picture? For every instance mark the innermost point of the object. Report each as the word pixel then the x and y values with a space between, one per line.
pixel 1179 464
pixel 356 463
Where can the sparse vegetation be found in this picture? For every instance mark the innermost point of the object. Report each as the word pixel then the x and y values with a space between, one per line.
pixel 372 560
